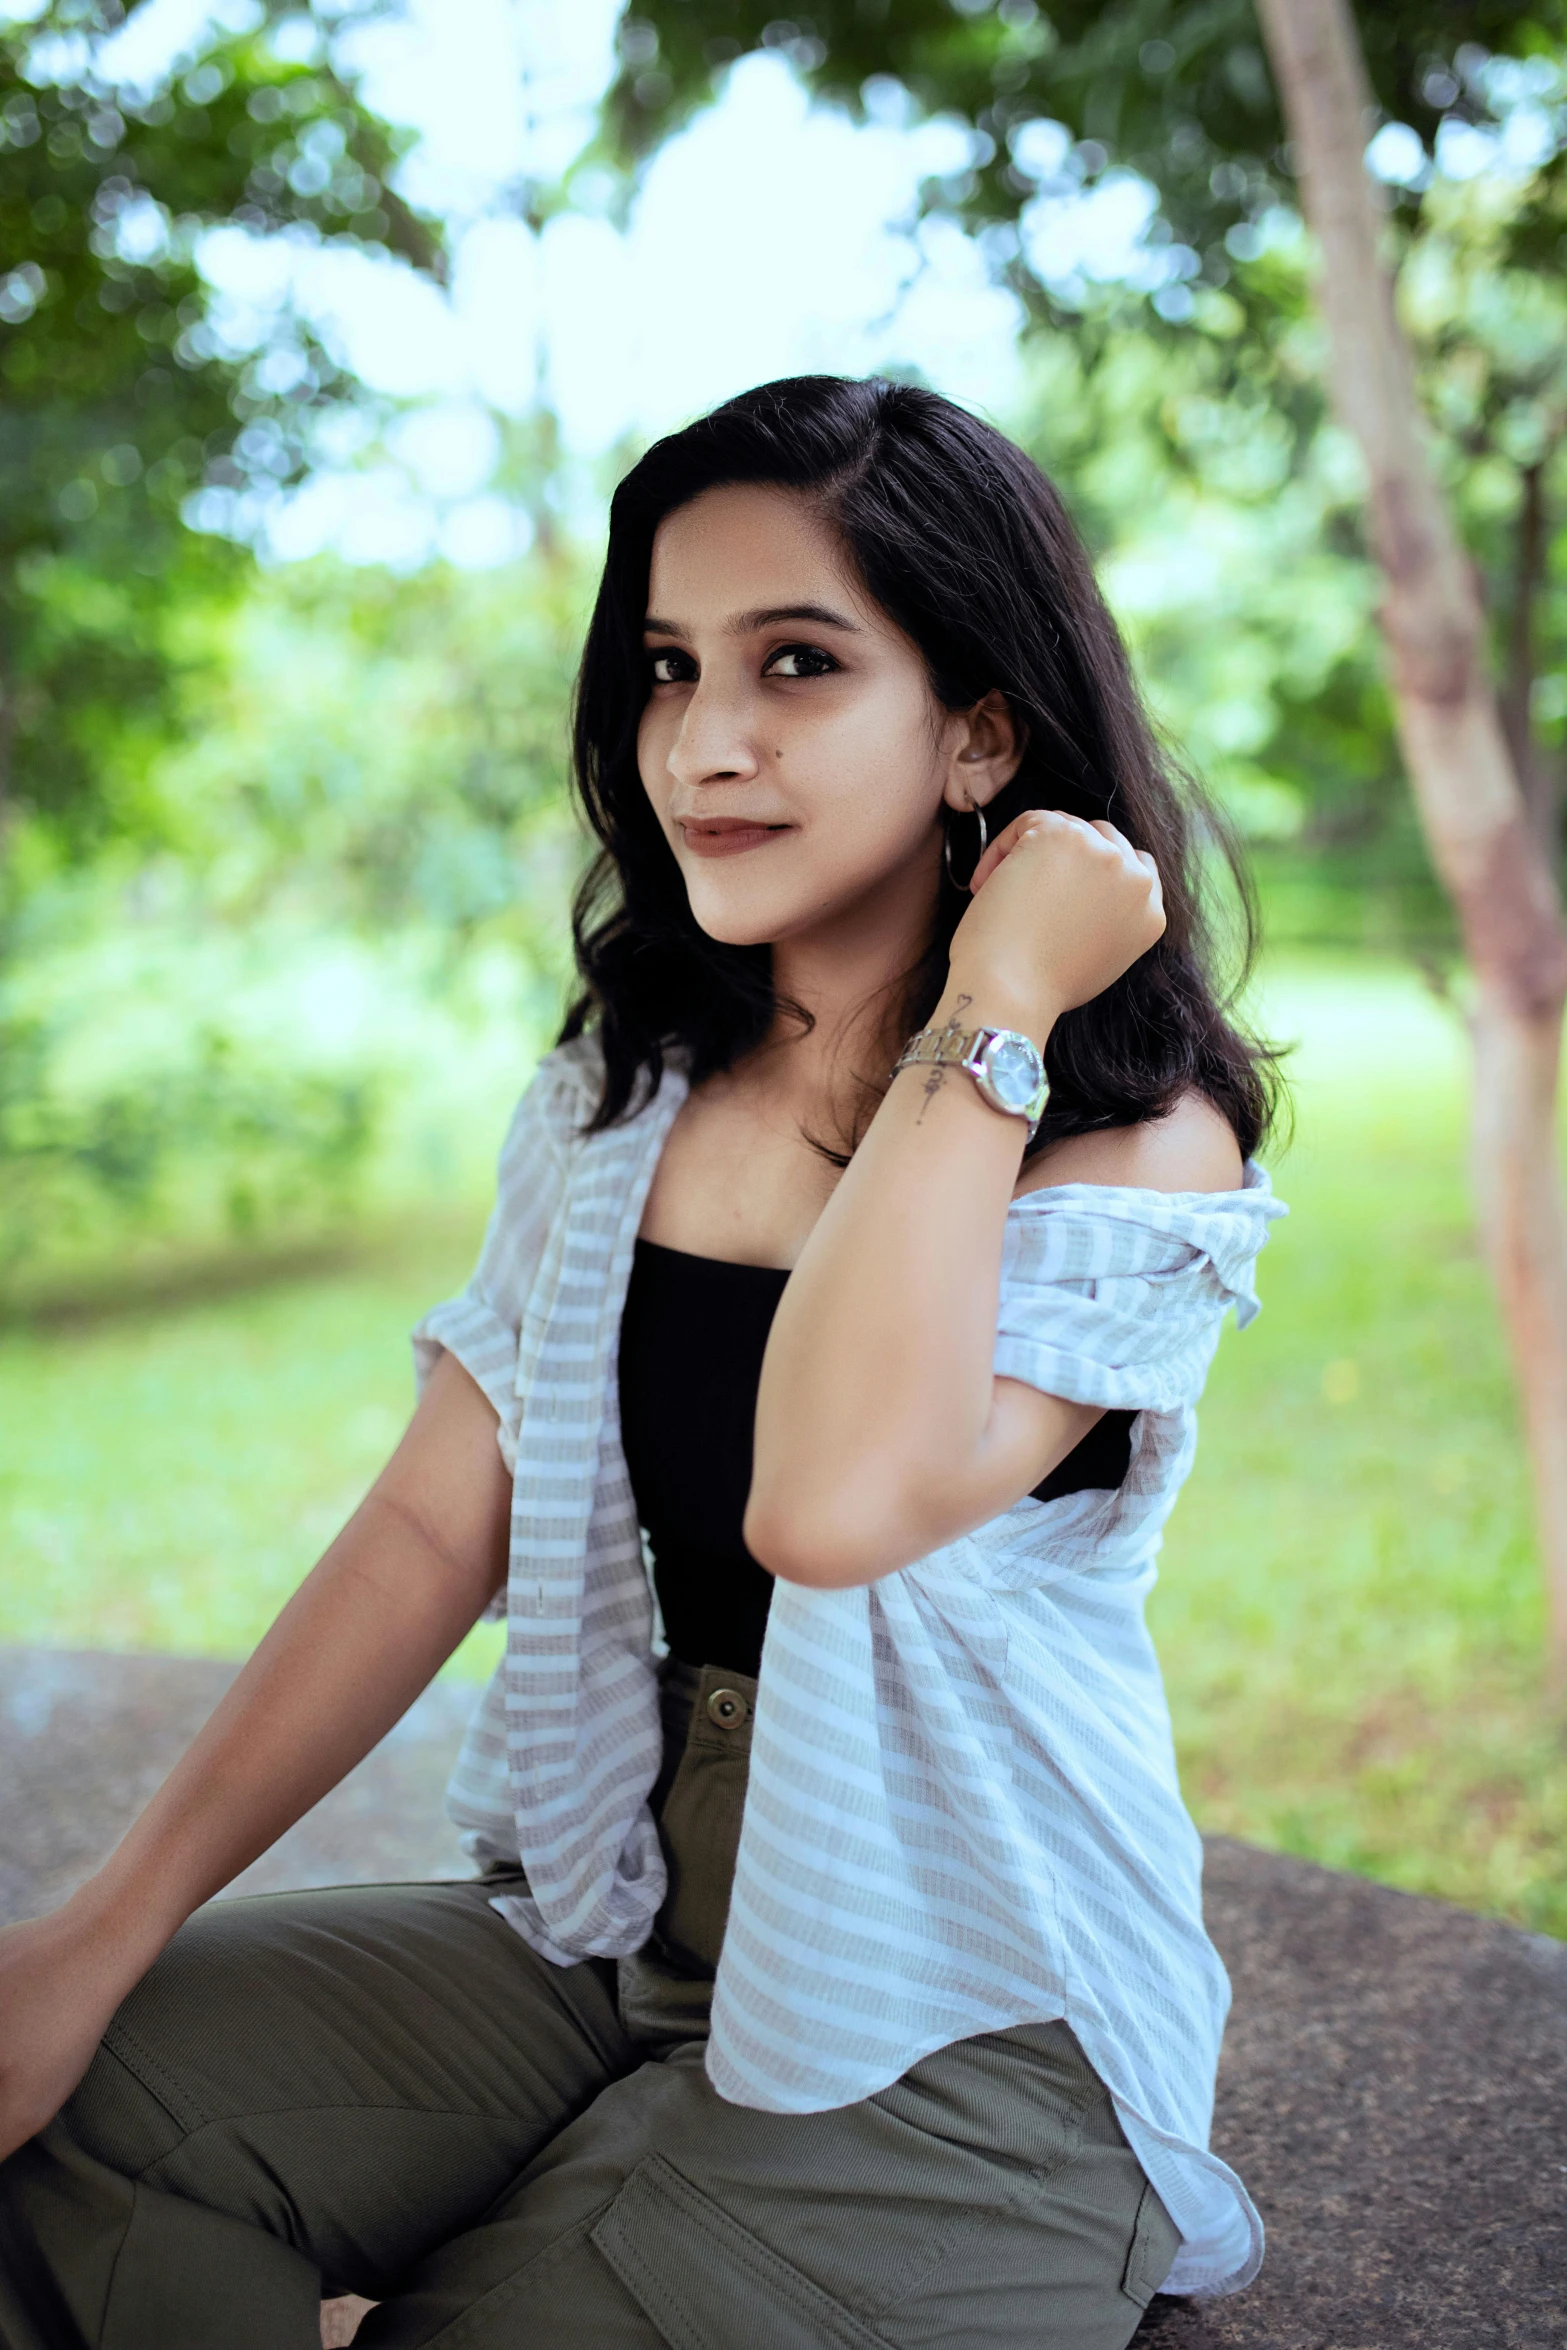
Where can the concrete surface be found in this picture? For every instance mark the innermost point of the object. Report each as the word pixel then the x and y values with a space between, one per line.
pixel 1394 2083
pixel 1393 2090
pixel 85 1739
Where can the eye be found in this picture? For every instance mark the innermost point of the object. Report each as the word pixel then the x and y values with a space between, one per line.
pixel 799 661
pixel 668 667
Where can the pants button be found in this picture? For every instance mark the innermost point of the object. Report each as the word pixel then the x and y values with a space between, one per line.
pixel 727 1708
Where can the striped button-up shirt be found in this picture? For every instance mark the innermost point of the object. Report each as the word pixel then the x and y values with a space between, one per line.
pixel 963 1811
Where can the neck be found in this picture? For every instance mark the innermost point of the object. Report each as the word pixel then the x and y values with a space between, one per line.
pixel 847 973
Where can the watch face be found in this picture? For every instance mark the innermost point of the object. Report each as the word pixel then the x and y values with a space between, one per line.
pixel 1014 1069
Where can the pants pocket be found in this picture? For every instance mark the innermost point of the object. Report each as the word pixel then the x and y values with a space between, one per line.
pixel 1155 2242
pixel 705 2281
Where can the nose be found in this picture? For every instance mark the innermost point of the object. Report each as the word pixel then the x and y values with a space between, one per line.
pixel 714 742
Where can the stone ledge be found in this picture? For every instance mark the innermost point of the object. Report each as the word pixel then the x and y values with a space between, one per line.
pixel 1394 2093
pixel 1394 2083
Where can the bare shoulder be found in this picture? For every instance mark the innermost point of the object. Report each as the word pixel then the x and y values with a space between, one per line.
pixel 1191 1148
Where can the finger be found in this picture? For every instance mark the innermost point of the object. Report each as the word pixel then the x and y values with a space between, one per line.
pixel 986 866
pixel 1117 838
pixel 1032 820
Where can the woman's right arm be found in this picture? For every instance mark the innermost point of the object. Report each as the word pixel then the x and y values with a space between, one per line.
pixel 368 1628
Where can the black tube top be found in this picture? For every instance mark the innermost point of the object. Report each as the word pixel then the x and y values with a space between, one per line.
pixel 692 1339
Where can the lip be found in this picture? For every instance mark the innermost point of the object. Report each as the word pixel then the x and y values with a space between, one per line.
pixel 727 836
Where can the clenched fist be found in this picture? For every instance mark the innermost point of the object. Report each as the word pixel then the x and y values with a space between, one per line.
pixel 1061 908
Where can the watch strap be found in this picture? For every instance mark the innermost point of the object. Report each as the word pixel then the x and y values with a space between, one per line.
pixel 947 1048
pixel 951 1047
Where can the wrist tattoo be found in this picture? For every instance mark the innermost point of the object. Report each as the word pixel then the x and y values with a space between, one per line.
pixel 938 1075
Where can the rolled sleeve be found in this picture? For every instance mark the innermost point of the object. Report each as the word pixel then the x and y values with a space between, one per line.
pixel 485 1343
pixel 1115 1297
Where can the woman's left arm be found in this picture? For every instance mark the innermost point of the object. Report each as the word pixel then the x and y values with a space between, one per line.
pixel 882 1431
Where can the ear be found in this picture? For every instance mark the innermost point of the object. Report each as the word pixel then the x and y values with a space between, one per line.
pixel 984 749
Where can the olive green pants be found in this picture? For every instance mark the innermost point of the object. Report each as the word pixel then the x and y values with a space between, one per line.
pixel 381 2090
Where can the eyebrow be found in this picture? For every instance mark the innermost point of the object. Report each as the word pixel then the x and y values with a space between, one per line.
pixel 766 616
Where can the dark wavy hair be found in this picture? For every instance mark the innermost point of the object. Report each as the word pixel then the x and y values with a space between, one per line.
pixel 968 548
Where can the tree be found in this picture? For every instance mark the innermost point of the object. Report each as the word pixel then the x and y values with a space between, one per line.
pixel 118 398
pixel 1460 764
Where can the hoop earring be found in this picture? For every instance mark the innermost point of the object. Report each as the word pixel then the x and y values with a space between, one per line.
pixel 946 849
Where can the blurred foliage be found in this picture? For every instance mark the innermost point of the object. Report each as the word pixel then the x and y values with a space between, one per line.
pixel 271 1137
pixel 120 401
pixel 299 815
pixel 1177 91
pixel 363 876
pixel 391 750
pixel 119 397
pixel 1233 555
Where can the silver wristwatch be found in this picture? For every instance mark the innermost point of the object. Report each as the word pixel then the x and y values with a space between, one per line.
pixel 1007 1067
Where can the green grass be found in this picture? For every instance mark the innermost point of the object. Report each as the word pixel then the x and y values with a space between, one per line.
pixel 168 1475
pixel 1348 1610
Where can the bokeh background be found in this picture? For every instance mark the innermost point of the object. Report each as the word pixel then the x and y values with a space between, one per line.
pixel 324 334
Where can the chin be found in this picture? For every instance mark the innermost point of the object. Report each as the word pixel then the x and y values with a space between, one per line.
pixel 740 913
pixel 734 924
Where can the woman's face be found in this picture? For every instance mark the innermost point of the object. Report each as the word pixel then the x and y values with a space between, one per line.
pixel 791 745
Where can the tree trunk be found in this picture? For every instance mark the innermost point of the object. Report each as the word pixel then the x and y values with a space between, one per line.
pixel 1537 775
pixel 1465 783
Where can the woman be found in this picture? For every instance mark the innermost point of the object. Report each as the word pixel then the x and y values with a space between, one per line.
pixel 837 1976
